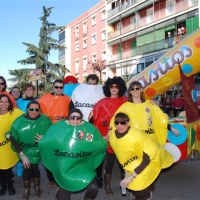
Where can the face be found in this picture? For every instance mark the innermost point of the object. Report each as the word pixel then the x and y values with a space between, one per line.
pixel 92 82
pixel 58 89
pixel 33 110
pixel 29 92
pixel 15 93
pixel 4 104
pixel 135 91
pixel 121 125
pixel 2 85
pixel 75 119
pixel 114 90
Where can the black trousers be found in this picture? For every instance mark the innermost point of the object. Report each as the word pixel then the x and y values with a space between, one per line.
pixel 31 172
pixel 6 178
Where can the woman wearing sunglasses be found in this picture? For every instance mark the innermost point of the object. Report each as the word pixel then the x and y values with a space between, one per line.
pixel 140 156
pixel 71 149
pixel 23 132
pixel 3 86
pixel 114 90
pixel 8 157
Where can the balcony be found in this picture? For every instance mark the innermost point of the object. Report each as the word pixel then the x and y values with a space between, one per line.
pixel 157 15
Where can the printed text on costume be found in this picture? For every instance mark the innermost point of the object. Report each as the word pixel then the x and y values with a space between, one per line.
pixel 129 161
pixel 72 154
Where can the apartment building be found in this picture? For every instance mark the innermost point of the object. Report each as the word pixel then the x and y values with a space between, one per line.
pixel 85 39
pixel 140 31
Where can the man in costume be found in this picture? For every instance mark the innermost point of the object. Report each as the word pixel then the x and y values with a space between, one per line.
pixel 70 83
pixel 140 156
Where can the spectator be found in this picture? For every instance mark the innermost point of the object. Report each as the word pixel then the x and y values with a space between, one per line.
pixel 178 105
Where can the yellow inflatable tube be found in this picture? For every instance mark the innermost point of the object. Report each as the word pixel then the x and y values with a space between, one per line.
pixel 164 73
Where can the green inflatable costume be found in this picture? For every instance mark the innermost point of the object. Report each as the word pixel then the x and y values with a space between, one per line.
pixel 24 130
pixel 72 153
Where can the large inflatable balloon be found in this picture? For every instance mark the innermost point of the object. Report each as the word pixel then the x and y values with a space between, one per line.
pixel 69 88
pixel 72 153
pixel 146 117
pixel 24 131
pixel 8 158
pixel 129 151
pixel 164 73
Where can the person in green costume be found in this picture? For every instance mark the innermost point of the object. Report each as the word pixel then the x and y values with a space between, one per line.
pixel 72 150
pixel 22 136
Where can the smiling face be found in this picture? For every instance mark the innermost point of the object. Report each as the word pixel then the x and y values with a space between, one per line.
pixel 33 110
pixel 29 92
pixel 4 104
pixel 15 93
pixel 2 85
pixel 58 89
pixel 75 119
pixel 114 90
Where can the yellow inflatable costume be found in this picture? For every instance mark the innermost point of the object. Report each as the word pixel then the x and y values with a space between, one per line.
pixel 129 151
pixel 146 117
pixel 8 158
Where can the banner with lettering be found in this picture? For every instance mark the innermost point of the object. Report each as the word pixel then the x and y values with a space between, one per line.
pixel 190 97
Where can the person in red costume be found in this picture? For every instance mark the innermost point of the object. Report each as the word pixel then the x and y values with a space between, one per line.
pixel 114 90
pixel 178 105
pixel 55 105
pixel 3 87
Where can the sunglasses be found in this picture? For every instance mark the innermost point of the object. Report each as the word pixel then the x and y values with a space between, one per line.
pixel 2 83
pixel 114 86
pixel 34 109
pixel 122 123
pixel 137 88
pixel 75 117
pixel 57 87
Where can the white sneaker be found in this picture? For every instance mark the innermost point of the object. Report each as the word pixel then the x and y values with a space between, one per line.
pixel 123 190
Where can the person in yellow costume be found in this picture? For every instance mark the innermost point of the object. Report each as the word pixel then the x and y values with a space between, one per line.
pixel 139 155
pixel 145 115
pixel 8 158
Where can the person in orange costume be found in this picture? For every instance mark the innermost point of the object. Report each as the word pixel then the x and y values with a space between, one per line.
pixel 3 87
pixel 114 90
pixel 55 105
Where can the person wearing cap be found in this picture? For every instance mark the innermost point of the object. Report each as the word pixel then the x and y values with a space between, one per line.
pixel 55 105
pixel 72 149
pixel 114 90
pixel 70 83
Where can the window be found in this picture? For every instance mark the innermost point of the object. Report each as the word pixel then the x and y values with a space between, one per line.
pixel 77 66
pixel 103 15
pixel 62 37
pixel 84 28
pixel 77 32
pixel 103 34
pixel 61 54
pixel 103 55
pixel 94 39
pixel 94 58
pixel 85 43
pixel 85 64
pixel 77 47
pixel 93 20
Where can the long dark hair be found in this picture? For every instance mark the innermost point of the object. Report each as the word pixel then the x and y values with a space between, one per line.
pixel 10 107
pixel 5 84
pixel 138 84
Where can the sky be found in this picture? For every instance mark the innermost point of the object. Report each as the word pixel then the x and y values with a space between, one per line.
pixel 19 21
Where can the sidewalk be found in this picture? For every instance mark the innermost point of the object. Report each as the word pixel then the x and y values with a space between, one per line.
pixel 180 182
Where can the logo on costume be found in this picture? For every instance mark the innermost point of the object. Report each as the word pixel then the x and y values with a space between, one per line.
pixel 4 142
pixel 58 117
pixel 147 110
pixel 57 152
pixel 22 144
pixel 149 131
pixel 129 161
pixel 87 105
pixel 105 123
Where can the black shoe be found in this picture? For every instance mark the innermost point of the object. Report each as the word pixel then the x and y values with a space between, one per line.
pixel 99 182
pixel 2 192
pixel 11 191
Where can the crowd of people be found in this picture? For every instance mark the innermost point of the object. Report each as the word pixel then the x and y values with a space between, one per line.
pixel 114 122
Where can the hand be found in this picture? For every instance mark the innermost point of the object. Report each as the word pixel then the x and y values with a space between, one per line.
pixel 38 137
pixel 127 179
pixel 175 131
pixel 25 161
pixel 107 136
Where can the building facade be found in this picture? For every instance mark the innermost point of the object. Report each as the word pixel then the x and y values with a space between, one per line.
pixel 140 31
pixel 85 42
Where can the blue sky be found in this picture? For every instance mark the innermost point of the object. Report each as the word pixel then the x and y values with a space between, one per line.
pixel 20 22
